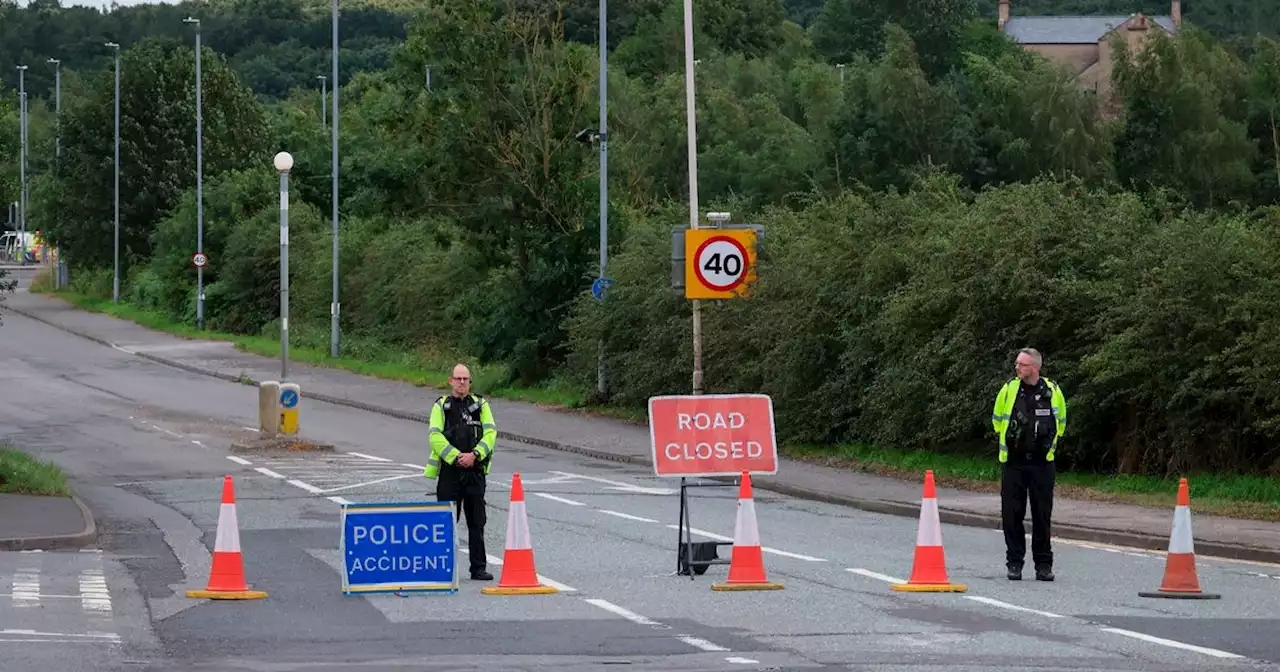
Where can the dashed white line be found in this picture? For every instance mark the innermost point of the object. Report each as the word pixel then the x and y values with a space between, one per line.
pixel 742 661
pixel 162 429
pixel 553 498
pixel 339 500
pixel 874 575
pixel 700 643
pixel 268 472
pixel 627 516
pixel 252 429
pixel 615 609
pixel 766 549
pixel 70 635
pixel 239 460
pixel 1006 605
pixel 1170 643
pixel 305 486
pixel 380 480
pixel 369 457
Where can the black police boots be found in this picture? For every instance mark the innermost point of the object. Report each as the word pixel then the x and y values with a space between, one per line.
pixel 1015 572
pixel 481 576
pixel 1044 574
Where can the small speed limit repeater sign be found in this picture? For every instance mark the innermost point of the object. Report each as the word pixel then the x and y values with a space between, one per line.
pixel 719 263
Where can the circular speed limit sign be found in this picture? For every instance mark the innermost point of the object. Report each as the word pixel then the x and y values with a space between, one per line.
pixel 721 263
pixel 200 259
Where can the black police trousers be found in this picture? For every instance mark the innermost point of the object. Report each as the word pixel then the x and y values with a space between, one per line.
pixel 468 495
pixel 1022 482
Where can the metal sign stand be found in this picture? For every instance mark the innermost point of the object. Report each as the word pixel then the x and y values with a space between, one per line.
pixel 686 563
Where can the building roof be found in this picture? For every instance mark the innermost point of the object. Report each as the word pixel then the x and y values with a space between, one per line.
pixel 1071 29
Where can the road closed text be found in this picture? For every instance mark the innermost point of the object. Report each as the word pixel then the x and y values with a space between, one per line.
pixel 706 435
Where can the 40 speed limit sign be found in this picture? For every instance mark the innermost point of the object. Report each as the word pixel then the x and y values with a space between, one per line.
pixel 719 263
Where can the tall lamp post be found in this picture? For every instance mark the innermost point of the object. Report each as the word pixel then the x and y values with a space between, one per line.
pixel 115 282
pixel 692 141
pixel 22 163
pixel 335 308
pixel 57 154
pixel 199 181
pixel 604 177
pixel 284 162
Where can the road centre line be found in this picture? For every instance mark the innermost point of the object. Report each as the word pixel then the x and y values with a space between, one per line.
pixel 696 642
pixel 1170 643
pixel 1128 633
pixel 627 516
pixel 766 549
pixel 553 498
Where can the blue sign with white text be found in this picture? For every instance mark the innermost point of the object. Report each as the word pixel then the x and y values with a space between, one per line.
pixel 398 547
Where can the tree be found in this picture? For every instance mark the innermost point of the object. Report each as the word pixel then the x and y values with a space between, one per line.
pixel 846 28
pixel 157 148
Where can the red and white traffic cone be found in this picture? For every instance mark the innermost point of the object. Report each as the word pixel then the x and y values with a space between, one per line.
pixel 519 573
pixel 746 566
pixel 226 577
pixel 1180 580
pixel 929 569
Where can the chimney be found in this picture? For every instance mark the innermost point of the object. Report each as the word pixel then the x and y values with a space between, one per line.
pixel 1003 6
pixel 1175 10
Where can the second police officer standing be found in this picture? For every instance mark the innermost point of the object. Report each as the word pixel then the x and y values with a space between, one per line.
pixel 1029 417
pixel 462 437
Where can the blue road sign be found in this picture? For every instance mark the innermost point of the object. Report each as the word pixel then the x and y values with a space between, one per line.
pixel 599 286
pixel 288 398
pixel 398 547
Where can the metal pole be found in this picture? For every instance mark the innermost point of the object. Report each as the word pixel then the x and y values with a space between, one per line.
pixel 57 153
pixel 115 282
pixel 690 118
pixel 22 163
pixel 336 307
pixel 283 163
pixel 601 387
pixel 199 180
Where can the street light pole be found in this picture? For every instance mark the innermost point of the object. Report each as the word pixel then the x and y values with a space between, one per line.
pixel 601 387
pixel 22 169
pixel 691 132
pixel 199 180
pixel 336 307
pixel 57 153
pixel 115 282
pixel 284 162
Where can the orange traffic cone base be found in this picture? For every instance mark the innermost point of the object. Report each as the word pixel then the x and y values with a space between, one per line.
pixel 531 590
pixel 929 587
pixel 1180 595
pixel 227 595
pixel 765 585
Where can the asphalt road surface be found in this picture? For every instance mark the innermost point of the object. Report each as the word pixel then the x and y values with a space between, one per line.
pixel 149 447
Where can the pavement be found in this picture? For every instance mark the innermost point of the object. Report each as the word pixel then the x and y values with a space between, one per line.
pixel 621 441
pixel 147 447
pixel 44 522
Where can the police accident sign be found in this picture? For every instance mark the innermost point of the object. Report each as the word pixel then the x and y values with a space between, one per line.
pixel 712 435
pixel 398 547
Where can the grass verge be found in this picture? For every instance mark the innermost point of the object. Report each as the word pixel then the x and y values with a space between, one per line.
pixel 22 474
pixel 1249 497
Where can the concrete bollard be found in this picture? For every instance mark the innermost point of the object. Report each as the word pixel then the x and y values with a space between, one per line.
pixel 290 401
pixel 269 409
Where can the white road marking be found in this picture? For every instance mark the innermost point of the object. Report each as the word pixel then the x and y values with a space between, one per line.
pixel 305 486
pixel 493 560
pixel 380 480
pixel 619 611
pixel 26 587
pixel 627 516
pixel 239 460
pixel 167 431
pixel 553 498
pixel 766 549
pixel 619 485
pixel 413 466
pixel 70 635
pixel 252 429
pixel 700 643
pixel 875 575
pixel 339 500
pixel 268 472
pixel 95 598
pixel 369 457
pixel 1170 643
pixel 198 443
pixel 1006 605
pixel 741 660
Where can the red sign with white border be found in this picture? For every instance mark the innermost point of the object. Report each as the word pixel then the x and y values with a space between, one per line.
pixel 712 435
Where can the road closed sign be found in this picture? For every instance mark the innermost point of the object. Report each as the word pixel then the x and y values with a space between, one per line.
pixel 712 435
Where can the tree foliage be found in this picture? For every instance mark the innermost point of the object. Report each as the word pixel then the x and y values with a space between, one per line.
pixel 934 198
